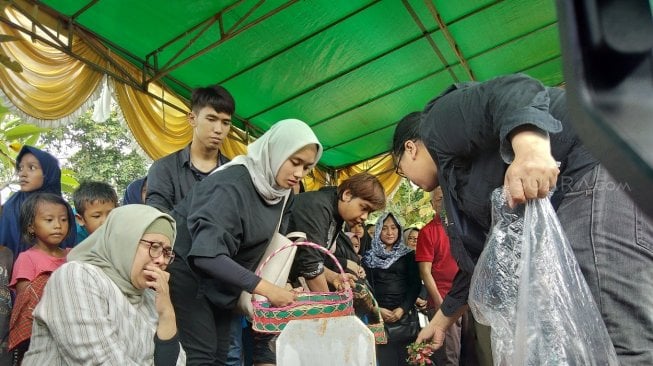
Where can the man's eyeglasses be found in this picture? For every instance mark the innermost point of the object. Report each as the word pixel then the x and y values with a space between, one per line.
pixel 156 249
pixel 397 161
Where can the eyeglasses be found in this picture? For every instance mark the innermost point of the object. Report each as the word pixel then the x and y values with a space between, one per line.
pixel 156 249
pixel 397 160
pixel 412 238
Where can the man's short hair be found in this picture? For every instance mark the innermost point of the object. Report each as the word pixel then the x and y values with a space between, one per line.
pixel 364 186
pixel 89 192
pixel 213 96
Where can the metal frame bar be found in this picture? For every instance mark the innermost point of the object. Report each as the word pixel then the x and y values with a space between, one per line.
pixel 450 40
pixel 244 17
pixel 37 24
pixel 83 9
pixel 186 32
pixel 297 42
pixel 188 44
pixel 90 63
pixel 429 38
pixel 165 71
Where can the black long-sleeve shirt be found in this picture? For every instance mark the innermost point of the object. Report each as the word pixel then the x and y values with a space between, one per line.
pixel 398 285
pixel 171 178
pixel 466 130
pixel 224 215
pixel 316 214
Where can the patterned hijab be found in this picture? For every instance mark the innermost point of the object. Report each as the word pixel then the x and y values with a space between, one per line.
pixel 10 219
pixel 112 247
pixel 376 256
pixel 266 155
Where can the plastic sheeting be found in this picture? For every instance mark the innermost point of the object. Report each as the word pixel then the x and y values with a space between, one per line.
pixel 529 288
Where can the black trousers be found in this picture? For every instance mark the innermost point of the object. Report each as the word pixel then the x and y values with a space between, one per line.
pixel 203 328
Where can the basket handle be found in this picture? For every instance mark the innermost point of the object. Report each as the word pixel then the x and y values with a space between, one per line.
pixel 305 244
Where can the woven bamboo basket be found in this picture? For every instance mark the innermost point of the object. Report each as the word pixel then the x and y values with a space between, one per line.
pixel 307 305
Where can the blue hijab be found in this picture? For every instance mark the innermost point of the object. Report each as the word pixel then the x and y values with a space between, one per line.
pixel 133 192
pixel 10 219
pixel 376 256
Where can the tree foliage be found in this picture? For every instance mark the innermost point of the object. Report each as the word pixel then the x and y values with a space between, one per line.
pixel 102 152
pixel 412 206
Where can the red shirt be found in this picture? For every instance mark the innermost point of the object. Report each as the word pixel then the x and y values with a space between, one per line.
pixel 433 246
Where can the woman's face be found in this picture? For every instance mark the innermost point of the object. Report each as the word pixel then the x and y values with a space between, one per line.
pixel 416 164
pixel 143 258
pixel 358 230
pixel 389 231
pixel 356 243
pixel 30 173
pixel 296 167
pixel 411 238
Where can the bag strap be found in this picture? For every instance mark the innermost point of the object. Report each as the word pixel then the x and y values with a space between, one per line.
pixel 297 236
pixel 283 209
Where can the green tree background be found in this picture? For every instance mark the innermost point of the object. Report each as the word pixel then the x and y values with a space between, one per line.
pixel 411 205
pixel 104 152
pixel 107 152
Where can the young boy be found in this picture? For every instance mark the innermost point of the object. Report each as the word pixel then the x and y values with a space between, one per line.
pixel 93 202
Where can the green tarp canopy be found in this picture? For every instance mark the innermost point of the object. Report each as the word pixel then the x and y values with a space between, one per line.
pixel 350 69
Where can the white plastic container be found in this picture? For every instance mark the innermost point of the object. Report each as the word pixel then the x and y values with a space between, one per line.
pixel 326 342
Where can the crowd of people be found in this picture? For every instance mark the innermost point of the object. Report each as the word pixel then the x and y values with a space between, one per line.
pixel 155 279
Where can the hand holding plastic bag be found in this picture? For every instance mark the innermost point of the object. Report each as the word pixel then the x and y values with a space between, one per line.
pixel 528 287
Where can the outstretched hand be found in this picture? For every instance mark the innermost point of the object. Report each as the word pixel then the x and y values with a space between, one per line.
pixel 432 334
pixel 278 296
pixel 341 285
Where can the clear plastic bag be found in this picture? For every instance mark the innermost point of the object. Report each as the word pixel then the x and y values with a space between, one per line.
pixel 528 287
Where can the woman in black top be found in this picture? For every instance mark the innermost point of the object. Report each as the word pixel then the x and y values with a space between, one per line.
pixel 224 226
pixel 394 276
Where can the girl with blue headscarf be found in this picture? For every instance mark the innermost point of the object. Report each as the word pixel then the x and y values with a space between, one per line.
pixel 37 171
pixel 394 276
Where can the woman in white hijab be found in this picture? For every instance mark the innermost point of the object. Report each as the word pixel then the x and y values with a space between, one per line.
pixel 110 304
pixel 224 225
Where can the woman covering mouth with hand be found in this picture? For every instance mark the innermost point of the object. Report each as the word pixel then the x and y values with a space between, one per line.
pixel 110 304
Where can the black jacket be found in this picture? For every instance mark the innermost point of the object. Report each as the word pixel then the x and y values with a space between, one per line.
pixel 466 130
pixel 316 214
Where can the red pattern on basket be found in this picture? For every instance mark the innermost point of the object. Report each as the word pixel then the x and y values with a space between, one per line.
pixel 308 305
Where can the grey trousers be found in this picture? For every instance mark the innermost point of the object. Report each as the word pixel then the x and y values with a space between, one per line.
pixel 613 243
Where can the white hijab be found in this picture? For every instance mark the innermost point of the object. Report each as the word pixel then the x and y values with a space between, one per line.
pixel 266 155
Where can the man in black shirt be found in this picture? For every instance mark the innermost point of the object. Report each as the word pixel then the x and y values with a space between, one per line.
pixel 322 214
pixel 171 177
pixel 514 131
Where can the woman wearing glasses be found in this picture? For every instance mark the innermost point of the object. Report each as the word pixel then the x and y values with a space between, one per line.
pixel 410 237
pixel 110 303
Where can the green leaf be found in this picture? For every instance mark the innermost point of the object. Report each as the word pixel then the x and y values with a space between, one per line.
pixel 22 131
pixel 32 140
pixel 68 182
